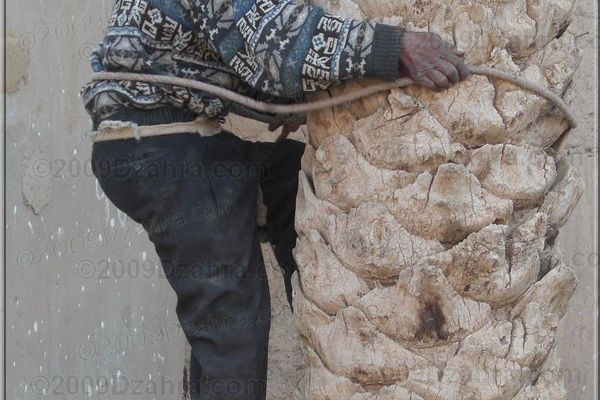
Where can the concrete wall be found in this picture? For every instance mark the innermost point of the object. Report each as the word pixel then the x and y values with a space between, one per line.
pixel 88 310
pixel 2 222
pixel 579 238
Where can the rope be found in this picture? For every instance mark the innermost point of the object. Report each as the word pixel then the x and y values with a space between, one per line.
pixel 299 108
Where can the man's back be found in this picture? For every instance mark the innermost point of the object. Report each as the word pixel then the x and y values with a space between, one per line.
pixel 154 38
pixel 272 50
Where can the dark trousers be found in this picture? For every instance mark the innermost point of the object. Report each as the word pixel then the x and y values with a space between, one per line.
pixel 197 199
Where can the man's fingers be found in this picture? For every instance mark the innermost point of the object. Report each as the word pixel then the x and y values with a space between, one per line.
pixel 459 64
pixel 278 121
pixel 293 127
pixel 431 61
pixel 449 71
pixel 463 71
pixel 285 132
pixel 438 78
pixel 428 83
pixel 273 126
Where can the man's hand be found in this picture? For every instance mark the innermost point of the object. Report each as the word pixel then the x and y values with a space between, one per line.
pixel 290 122
pixel 430 61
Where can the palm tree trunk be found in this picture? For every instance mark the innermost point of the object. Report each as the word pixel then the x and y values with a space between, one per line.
pixel 427 221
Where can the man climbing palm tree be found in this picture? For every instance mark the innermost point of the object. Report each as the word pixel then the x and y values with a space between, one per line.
pixel 176 185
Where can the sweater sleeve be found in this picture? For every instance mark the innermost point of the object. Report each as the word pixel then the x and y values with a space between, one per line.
pixel 284 49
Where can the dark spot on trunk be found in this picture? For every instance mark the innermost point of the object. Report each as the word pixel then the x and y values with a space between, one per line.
pixel 431 320
pixel 360 373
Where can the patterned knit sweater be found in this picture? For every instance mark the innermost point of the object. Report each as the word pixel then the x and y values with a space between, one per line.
pixel 271 50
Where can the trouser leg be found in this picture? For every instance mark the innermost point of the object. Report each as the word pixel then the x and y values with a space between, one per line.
pixel 280 187
pixel 202 224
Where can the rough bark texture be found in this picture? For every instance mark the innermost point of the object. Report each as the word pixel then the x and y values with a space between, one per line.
pixel 427 221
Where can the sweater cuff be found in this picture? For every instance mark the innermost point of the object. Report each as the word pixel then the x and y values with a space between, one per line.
pixel 383 62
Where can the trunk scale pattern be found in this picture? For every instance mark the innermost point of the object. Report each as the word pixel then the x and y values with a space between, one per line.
pixel 427 221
